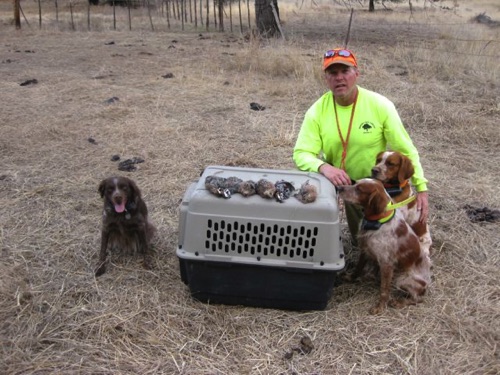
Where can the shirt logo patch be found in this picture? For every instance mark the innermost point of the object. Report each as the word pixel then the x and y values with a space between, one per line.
pixel 367 127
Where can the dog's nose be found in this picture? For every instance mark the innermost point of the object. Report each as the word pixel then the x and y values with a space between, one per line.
pixel 117 198
pixel 375 171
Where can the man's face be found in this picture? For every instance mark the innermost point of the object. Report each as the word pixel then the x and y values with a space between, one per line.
pixel 341 79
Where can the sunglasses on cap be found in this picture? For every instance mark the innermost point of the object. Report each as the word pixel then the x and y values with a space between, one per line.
pixel 340 52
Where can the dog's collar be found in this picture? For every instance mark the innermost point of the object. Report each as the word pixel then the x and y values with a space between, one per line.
pixel 129 207
pixel 376 221
pixel 395 189
pixel 382 218
pixel 401 185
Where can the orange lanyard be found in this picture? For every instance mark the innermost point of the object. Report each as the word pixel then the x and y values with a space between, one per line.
pixel 346 140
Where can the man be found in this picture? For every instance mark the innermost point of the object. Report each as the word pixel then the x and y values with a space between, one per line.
pixel 345 129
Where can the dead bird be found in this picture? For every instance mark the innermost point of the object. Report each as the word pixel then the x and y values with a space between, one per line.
pixel 265 188
pixel 307 193
pixel 217 186
pixel 247 188
pixel 128 165
pixel 232 184
pixel 284 190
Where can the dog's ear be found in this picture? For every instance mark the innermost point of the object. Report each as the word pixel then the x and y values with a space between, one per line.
pixel 102 188
pixel 376 202
pixel 135 193
pixel 406 169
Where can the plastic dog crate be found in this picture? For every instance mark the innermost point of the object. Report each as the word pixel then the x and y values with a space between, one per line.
pixel 259 252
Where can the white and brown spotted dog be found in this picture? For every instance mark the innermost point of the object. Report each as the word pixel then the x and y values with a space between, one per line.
pixel 387 238
pixel 394 170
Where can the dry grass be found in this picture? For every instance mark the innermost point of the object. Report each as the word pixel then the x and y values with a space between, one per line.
pixel 57 318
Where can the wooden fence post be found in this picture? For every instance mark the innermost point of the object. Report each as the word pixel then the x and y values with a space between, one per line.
pixel 248 11
pixel 241 20
pixel 208 11
pixel 230 16
pixel 201 12
pixel 168 2
pixel 39 14
pixel 182 15
pixel 215 14
pixel 221 14
pixel 195 15
pixel 149 14
pixel 114 15
pixel 57 14
pixel 71 12
pixel 88 16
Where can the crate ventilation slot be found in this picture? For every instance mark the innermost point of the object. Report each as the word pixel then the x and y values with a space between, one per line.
pixel 274 241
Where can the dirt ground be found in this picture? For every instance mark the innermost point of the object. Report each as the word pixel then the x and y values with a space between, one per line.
pixel 182 102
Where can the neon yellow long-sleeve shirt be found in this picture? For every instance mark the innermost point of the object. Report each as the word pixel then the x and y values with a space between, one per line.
pixel 376 127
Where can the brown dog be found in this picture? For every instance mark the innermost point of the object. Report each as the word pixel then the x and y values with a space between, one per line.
pixel 394 170
pixel 387 238
pixel 125 224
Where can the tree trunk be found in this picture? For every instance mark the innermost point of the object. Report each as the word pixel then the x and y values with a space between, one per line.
pixel 221 14
pixel 372 6
pixel 264 17
pixel 17 14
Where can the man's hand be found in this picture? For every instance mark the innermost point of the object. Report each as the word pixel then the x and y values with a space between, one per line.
pixel 423 206
pixel 337 176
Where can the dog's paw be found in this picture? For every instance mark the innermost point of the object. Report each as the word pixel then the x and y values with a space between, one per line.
pixel 397 303
pixel 349 277
pixel 403 302
pixel 377 309
pixel 100 270
pixel 147 264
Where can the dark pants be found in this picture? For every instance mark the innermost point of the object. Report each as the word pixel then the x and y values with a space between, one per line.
pixel 354 216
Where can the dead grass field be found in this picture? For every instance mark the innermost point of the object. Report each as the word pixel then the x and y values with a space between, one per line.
pixel 57 318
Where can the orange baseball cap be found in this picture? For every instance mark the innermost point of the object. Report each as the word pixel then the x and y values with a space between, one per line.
pixel 339 56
